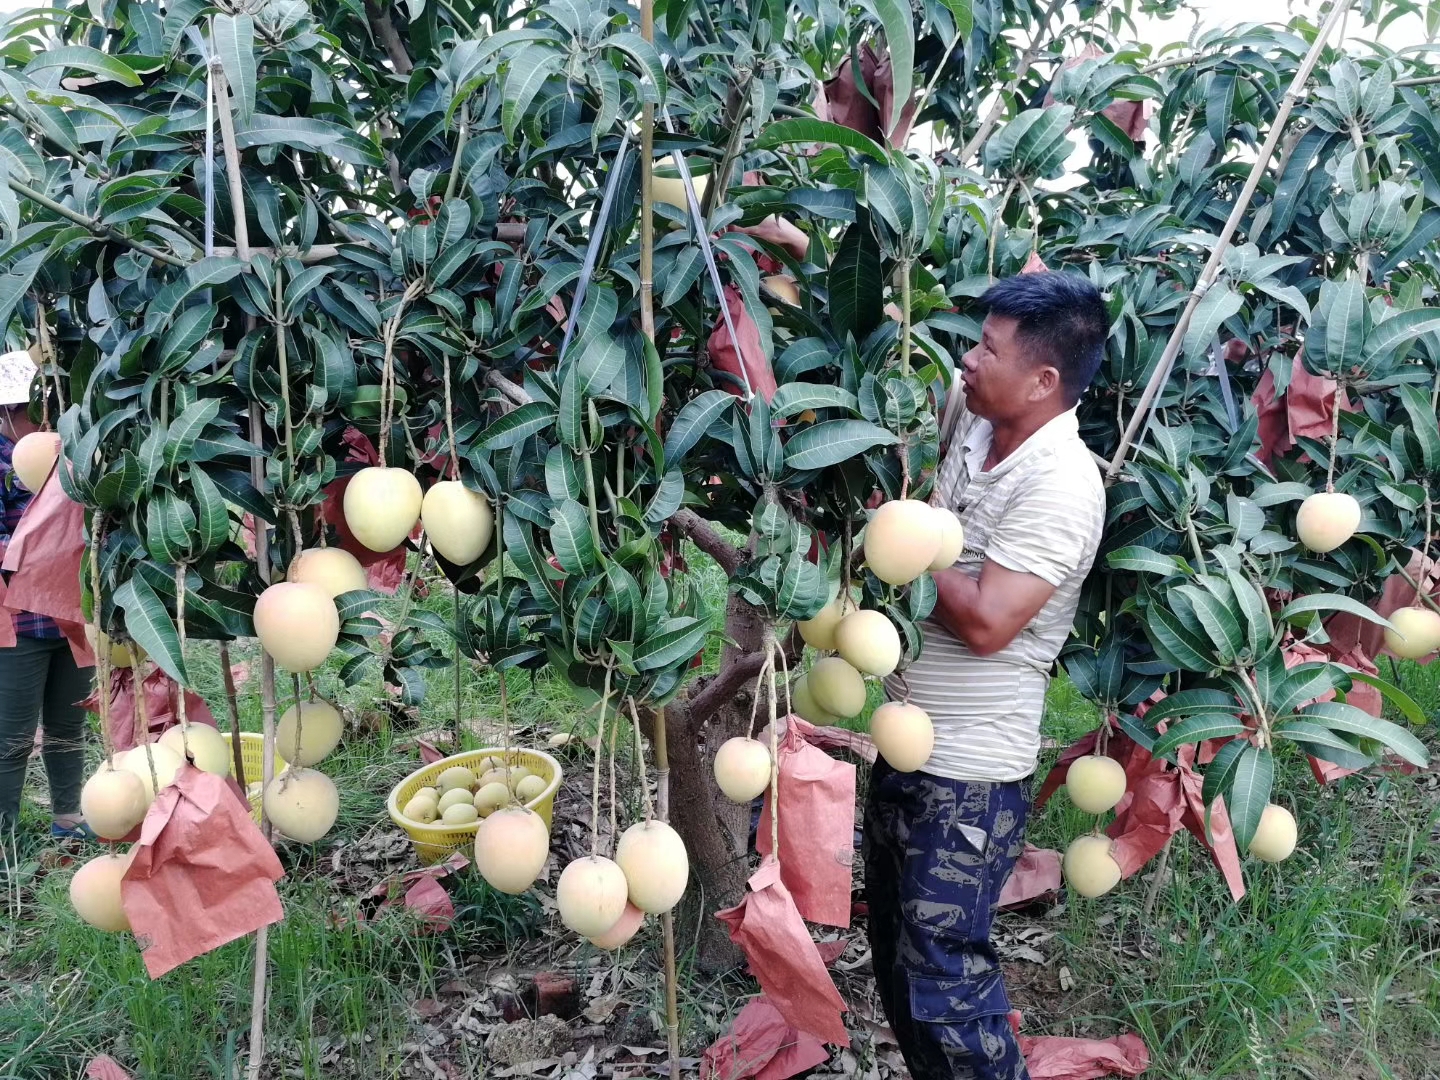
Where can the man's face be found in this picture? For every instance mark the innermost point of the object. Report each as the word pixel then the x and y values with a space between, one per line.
pixel 1001 380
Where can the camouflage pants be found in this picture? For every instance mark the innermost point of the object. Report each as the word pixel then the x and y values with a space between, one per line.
pixel 936 854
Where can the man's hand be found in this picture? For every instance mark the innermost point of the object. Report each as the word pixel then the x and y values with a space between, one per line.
pixel 988 613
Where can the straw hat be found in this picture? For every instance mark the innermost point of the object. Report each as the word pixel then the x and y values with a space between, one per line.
pixel 17 372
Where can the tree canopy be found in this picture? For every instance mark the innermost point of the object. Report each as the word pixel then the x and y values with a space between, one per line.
pixel 425 190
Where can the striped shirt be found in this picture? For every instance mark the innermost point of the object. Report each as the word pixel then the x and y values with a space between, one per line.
pixel 13 500
pixel 1040 511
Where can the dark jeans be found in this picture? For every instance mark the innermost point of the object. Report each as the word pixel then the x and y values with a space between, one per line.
pixel 40 680
pixel 936 854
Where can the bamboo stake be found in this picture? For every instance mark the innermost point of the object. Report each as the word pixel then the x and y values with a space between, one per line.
pixel 1208 275
pixel 262 556
pixel 647 326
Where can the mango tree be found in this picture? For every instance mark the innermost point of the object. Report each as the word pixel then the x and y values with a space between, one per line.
pixel 429 231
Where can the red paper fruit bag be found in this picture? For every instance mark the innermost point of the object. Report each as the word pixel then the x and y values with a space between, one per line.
pixel 160 705
pixel 202 875
pixel 817 826
pixel 783 956
pixel 761 1044
pixel 43 555
pixel 729 358
pixel 1053 1057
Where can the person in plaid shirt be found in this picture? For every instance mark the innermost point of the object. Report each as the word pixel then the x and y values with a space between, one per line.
pixel 39 679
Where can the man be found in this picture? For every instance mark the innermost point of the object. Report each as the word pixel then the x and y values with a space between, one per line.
pixel 40 683
pixel 940 842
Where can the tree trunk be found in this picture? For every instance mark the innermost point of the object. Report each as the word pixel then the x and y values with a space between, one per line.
pixel 715 830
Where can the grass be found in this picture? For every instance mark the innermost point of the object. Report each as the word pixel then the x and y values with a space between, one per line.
pixel 1327 969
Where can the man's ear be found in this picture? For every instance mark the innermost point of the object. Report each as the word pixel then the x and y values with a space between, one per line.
pixel 1047 383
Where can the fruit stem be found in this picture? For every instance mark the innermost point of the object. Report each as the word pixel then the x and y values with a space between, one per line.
pixel 102 649
pixel 614 812
pixel 232 710
pixel 142 721
pixel 765 668
pixel 450 424
pixel 770 649
pixel 42 335
pixel 299 722
pixel 283 358
pixel 1195 545
pixel 180 709
pixel 640 763
pixel 1334 435
pixel 905 319
pixel 599 753
pixel 590 497
pixel 1424 546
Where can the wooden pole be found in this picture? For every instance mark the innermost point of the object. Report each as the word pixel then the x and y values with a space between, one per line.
pixel 262 556
pixel 1161 374
pixel 647 325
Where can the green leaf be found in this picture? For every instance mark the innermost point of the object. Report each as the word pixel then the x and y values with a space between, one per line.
pixel 1147 561
pixel 834 441
pixel 234 37
pixel 147 621
pixel 1219 102
pixel 1220 770
pixel 212 520
pixel 1407 705
pixel 1339 716
pixel 856 283
pixel 1218 304
pixel 1423 423
pixel 964 16
pixel 1197 729
pixel 1304 683
pixel 83 58
pixel 571 538
pixel 1345 326
pixel 299 132
pixel 118 487
pixel 1330 602
pixel 1315 737
pixel 517 425
pixel 794 398
pixel 1250 787
pixel 806 130
pixel 693 421
pixel 529 68
pixel 889 198
pixel 677 640
pixel 896 18
pixel 1218 622
pixel 1174 642
pixel 208 272
pixel 186 428
pixel 1187 703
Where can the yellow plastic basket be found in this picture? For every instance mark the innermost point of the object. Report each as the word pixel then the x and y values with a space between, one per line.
pixel 252 753
pixel 435 842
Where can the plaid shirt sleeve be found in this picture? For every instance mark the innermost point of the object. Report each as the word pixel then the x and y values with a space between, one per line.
pixel 14 500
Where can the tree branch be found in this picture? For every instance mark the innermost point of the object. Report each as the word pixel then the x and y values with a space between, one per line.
pixel 727 682
pixel 702 533
pixel 988 124
pixel 389 37
pixel 96 227
pixel 513 391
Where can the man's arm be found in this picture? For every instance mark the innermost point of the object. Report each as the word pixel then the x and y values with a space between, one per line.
pixel 988 613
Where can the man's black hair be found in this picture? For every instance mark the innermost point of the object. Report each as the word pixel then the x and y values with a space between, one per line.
pixel 1061 319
